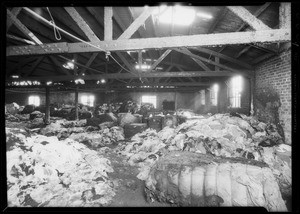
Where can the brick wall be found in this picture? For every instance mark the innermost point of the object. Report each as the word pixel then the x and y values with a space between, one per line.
pixel 272 92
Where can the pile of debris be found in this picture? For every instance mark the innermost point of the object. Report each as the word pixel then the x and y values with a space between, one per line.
pixel 45 172
pixel 191 179
pixel 219 135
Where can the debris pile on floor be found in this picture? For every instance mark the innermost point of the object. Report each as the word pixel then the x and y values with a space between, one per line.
pixel 192 179
pixel 219 135
pixel 43 171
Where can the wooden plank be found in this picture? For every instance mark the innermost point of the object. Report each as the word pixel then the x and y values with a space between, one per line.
pixel 88 64
pixel 15 11
pixel 108 24
pixel 130 75
pixel 82 24
pixel 161 58
pixel 256 14
pixel 217 60
pixel 19 39
pixel 248 17
pixel 285 15
pixel 180 69
pixel 34 65
pixel 23 28
pixel 124 60
pixel 271 36
pixel 206 60
pixel 137 23
pixel 222 56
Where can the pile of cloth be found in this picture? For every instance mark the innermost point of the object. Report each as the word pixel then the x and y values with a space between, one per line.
pixel 101 138
pixel 191 179
pixel 219 135
pixel 45 172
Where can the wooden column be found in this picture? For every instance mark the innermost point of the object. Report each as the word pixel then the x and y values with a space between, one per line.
pixel 76 103
pixel 251 80
pixel 47 114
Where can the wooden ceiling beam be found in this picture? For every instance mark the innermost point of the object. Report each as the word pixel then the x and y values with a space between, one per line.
pixel 222 56
pixel 59 65
pixel 130 75
pixel 206 60
pixel 180 69
pixel 249 18
pixel 161 58
pixel 285 15
pixel 219 18
pixel 18 66
pixel 137 23
pixel 259 11
pixel 88 64
pixel 108 24
pixel 33 66
pixel 124 60
pixel 261 58
pixel 272 36
pixel 82 24
pixel 15 11
pixel 9 36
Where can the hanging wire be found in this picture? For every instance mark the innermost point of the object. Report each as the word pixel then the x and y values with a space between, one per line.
pixel 56 31
pixel 88 43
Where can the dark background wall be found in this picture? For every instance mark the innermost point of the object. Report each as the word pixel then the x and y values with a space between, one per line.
pixel 272 94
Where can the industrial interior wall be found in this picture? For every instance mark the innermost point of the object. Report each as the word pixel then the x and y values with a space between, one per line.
pixel 272 92
pixel 56 97
pixel 223 100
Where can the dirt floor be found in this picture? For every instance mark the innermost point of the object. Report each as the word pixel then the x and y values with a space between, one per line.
pixel 129 189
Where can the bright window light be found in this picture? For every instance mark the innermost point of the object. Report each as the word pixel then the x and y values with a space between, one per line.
pixel 214 94
pixel 202 97
pixel 88 100
pixel 149 99
pixel 178 15
pixel 34 100
pixel 235 90
pixel 142 67
pixel 204 15
pixel 81 81
pixel 15 76
pixel 49 83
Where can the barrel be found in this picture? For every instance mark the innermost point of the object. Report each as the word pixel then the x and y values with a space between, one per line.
pixel 134 128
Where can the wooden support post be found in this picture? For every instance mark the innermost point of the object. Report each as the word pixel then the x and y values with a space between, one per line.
pixel 140 58
pixel 76 103
pixel 217 60
pixel 251 80
pixel 47 114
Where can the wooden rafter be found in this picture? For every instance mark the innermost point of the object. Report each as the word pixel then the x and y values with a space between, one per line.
pixel 256 14
pixel 15 11
pixel 276 35
pixel 18 66
pixel 130 75
pixel 285 15
pixel 206 60
pixel 217 60
pixel 136 23
pixel 82 24
pixel 88 64
pixel 19 39
pixel 261 58
pixel 180 69
pixel 161 58
pixel 222 56
pixel 33 66
pixel 124 60
pixel 59 65
pixel 108 24
pixel 249 18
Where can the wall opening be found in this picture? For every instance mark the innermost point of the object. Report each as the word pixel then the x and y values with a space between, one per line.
pixel 235 89
pixel 214 95
pixel 87 100
pixel 34 100
pixel 149 99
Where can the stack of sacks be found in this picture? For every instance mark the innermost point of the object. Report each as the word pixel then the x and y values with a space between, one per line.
pixel 45 172
pixel 190 179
